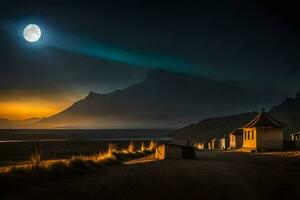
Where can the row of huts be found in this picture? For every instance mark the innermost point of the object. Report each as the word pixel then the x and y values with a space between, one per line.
pixel 295 138
pixel 263 132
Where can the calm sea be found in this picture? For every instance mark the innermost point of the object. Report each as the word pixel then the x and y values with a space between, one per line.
pixel 32 135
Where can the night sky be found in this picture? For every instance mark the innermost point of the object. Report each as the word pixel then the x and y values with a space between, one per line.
pixel 107 45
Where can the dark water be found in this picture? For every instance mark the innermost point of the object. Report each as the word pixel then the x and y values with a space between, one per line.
pixel 29 135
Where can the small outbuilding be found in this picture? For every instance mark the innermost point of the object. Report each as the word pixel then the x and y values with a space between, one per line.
pixel 174 151
pixel 236 139
pixel 214 143
pixel 199 145
pixel 206 144
pixel 263 132
pixel 295 136
pixel 209 145
pixel 226 137
pixel 223 143
pixel 218 144
pixel 296 140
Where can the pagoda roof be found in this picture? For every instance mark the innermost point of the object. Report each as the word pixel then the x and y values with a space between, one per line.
pixel 264 120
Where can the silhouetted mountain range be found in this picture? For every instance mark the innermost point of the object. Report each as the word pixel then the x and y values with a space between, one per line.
pixel 162 100
pixel 287 112
pixel 4 122
pixel 26 123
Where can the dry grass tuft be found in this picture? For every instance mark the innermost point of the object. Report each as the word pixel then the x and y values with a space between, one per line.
pixel 143 148
pixel 77 164
pixel 39 172
pixel 152 145
pixel 131 147
pixel 36 157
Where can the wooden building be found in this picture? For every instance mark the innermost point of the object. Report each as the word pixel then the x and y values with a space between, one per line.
pixel 206 144
pixel 223 143
pixel 236 139
pixel 213 143
pixel 295 136
pixel 218 143
pixel 295 140
pixel 263 132
pixel 174 151
pixel 209 145
pixel 226 141
pixel 199 145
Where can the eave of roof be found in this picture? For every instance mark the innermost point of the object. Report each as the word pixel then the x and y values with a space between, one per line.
pixel 263 119
pixel 237 132
pixel 294 134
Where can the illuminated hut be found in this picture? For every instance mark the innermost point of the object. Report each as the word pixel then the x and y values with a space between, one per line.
pixel 236 139
pixel 222 143
pixel 218 144
pixel 295 136
pixel 209 146
pixel 199 145
pixel 206 144
pixel 213 143
pixel 226 137
pixel 174 151
pixel 263 132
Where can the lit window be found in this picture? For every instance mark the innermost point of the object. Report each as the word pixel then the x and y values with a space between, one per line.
pixel 252 135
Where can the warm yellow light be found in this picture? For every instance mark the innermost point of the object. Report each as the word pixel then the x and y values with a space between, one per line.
pixel 15 110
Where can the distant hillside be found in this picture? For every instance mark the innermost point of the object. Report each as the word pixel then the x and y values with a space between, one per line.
pixel 213 127
pixel 287 112
pixel 162 100
pixel 5 123
pixel 27 123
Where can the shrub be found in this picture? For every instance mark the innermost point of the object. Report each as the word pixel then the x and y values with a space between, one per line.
pixel 60 169
pixel 36 157
pixel 36 173
pixel 77 162
pixel 131 147
pixel 111 149
pixel 143 148
pixel 152 145
pixel 16 171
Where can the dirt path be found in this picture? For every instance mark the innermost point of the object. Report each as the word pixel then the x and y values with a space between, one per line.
pixel 212 176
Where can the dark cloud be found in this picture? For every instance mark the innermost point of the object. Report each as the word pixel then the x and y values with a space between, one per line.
pixel 249 41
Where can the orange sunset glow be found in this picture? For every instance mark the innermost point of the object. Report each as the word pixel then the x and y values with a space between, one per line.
pixel 19 110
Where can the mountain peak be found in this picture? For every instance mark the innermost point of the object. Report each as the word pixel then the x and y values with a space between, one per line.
pixel 93 94
pixel 163 99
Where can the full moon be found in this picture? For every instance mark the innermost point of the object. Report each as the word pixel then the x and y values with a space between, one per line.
pixel 32 33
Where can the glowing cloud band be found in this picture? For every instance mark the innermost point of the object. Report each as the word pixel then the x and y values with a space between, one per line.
pixel 117 54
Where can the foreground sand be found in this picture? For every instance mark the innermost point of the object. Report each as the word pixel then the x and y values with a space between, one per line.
pixel 214 175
